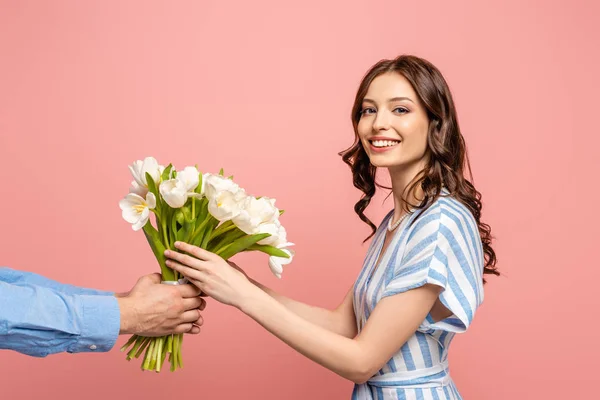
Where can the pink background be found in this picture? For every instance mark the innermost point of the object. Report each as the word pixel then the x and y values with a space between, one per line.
pixel 264 89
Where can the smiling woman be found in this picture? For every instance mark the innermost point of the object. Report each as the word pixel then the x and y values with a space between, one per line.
pixel 422 278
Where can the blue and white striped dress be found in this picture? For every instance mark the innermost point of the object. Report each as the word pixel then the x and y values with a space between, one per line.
pixel 439 246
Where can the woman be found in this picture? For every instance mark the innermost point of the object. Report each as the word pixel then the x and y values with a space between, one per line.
pixel 422 278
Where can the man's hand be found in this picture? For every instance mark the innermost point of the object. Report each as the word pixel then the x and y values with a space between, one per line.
pixel 155 309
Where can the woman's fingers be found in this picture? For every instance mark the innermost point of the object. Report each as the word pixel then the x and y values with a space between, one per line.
pixel 190 273
pixel 184 259
pixel 196 251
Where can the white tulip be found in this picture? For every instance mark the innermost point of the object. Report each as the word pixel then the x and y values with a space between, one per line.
pixel 215 184
pixel 174 192
pixel 189 177
pixel 150 165
pixel 136 209
pixel 256 212
pixel 276 263
pixel 278 233
pixel 203 188
pixel 137 189
pixel 272 229
pixel 226 205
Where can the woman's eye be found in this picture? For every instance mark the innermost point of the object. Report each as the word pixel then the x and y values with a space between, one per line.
pixel 400 110
pixel 367 110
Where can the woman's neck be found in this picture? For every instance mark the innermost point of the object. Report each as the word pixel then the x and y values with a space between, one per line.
pixel 402 178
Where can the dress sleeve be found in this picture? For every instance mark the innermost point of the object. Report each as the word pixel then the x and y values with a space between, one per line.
pixel 443 250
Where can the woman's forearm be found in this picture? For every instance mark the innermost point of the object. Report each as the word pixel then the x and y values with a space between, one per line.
pixel 335 352
pixel 332 320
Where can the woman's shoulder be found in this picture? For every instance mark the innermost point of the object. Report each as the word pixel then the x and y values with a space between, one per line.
pixel 445 214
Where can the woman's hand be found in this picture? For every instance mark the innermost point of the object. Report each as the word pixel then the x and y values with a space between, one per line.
pixel 211 274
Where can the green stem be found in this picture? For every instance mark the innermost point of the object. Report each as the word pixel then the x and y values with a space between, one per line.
pixel 179 358
pixel 205 240
pixel 225 227
pixel 156 211
pixel 173 355
pixel 138 343
pixel 170 344
pixel 165 237
pixel 129 342
pixel 163 356
pixel 143 347
pixel 148 356
pixel 152 363
pixel 222 249
pixel 159 353
pixel 198 230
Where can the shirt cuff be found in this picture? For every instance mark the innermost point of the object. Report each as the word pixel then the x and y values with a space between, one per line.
pixel 101 322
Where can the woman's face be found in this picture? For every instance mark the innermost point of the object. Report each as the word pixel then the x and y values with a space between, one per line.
pixel 393 124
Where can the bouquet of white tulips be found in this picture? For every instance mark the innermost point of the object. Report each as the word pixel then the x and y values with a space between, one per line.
pixel 206 210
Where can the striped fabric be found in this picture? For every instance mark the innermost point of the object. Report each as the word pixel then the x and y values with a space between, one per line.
pixel 439 246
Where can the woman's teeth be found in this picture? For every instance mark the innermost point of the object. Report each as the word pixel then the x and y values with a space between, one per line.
pixel 384 143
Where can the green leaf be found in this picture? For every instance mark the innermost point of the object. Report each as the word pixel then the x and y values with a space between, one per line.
pixel 188 229
pixel 174 230
pixel 221 172
pixel 240 245
pixel 158 248
pixel 224 227
pixel 228 237
pixel 198 234
pixel 281 212
pixel 167 172
pixel 213 222
pixel 179 217
pixel 187 213
pixel 202 209
pixel 270 250
pixel 151 185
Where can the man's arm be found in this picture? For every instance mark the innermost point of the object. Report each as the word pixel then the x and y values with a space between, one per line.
pixel 24 278
pixel 39 321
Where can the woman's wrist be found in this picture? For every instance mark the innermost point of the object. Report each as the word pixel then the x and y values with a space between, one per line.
pixel 251 300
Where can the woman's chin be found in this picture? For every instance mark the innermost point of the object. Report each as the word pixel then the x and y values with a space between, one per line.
pixel 385 162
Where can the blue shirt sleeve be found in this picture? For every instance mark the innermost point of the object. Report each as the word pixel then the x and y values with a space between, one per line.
pixel 38 320
pixel 19 278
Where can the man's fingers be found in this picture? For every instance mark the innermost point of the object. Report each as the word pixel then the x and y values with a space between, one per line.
pixel 188 290
pixel 183 328
pixel 154 278
pixel 194 303
pixel 192 316
pixel 195 330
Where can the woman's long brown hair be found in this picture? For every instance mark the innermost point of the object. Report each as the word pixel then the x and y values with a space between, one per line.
pixel 446 146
